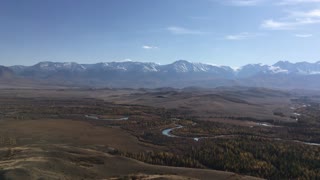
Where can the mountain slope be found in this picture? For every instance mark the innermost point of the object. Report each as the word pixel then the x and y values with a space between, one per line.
pixel 6 72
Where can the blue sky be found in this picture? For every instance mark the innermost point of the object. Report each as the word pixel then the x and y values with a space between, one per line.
pixel 223 32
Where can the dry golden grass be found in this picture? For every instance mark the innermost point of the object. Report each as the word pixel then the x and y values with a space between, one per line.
pixel 69 162
pixel 72 132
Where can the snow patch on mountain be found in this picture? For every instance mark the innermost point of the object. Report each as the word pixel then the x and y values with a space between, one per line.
pixel 181 66
pixel 275 70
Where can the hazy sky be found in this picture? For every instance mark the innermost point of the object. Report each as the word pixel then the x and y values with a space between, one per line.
pixel 224 32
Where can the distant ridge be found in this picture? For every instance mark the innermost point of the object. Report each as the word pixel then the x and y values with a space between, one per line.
pixel 180 66
pixel 181 73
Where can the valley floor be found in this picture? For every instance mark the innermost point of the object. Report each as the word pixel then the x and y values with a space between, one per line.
pixel 119 133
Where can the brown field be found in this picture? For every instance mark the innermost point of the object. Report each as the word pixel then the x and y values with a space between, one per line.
pixel 70 162
pixel 68 149
pixel 45 133
pixel 78 133
pixel 39 147
pixel 205 104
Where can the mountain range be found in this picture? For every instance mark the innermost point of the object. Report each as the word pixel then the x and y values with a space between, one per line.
pixel 282 74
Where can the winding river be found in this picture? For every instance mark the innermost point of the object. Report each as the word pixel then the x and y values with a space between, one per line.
pixel 97 118
pixel 167 132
